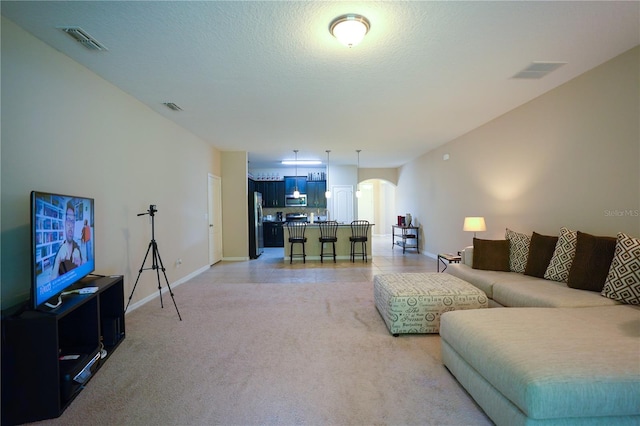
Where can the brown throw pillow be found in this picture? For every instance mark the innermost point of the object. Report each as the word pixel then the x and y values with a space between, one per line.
pixel 592 261
pixel 491 255
pixel 540 252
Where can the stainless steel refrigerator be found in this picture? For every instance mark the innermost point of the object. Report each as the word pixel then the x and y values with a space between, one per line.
pixel 256 237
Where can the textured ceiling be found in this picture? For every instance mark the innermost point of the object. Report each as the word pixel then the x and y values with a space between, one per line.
pixel 268 78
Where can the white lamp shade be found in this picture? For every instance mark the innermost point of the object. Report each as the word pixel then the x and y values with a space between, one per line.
pixel 474 224
pixel 350 29
pixel 327 194
pixel 296 194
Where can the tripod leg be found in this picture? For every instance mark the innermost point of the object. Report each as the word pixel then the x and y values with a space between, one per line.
pixel 157 269
pixel 139 273
pixel 167 281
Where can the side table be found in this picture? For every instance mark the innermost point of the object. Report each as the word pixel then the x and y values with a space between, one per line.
pixel 451 258
pixel 407 233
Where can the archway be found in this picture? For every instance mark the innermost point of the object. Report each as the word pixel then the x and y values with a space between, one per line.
pixel 377 204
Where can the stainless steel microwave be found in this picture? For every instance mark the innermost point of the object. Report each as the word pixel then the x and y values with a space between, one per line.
pixel 291 201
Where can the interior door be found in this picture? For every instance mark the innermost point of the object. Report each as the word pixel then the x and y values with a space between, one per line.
pixel 215 218
pixel 342 203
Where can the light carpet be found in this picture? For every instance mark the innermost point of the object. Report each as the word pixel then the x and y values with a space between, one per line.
pixel 271 354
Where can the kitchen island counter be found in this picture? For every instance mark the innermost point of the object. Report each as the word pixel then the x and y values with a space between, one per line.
pixel 343 246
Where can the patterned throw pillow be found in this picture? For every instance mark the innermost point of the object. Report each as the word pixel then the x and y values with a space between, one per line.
pixel 560 264
pixel 518 250
pixel 623 281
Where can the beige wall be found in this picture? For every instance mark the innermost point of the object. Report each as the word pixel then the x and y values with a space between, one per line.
pixel 64 129
pixel 568 158
pixel 235 214
pixel 389 174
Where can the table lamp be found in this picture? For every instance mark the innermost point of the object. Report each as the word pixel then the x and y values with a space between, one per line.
pixel 474 224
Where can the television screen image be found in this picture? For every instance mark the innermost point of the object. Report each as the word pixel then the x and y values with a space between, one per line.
pixel 62 240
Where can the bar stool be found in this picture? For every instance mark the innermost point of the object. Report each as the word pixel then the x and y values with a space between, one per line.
pixel 359 234
pixel 328 232
pixel 296 236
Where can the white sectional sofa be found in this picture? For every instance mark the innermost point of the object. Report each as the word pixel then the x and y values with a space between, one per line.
pixel 514 289
pixel 548 354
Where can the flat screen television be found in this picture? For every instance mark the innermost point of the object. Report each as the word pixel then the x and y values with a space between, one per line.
pixel 62 244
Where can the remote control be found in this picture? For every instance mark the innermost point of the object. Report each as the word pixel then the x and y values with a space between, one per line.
pixel 88 290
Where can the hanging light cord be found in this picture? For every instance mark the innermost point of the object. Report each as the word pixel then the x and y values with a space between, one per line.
pixel 358 193
pixel 327 193
pixel 296 193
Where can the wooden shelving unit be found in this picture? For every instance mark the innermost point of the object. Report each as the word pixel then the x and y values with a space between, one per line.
pixel 48 357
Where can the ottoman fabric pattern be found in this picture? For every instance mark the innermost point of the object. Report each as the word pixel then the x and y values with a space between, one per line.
pixel 414 302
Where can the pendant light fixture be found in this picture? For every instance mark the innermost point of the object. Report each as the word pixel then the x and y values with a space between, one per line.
pixel 327 193
pixel 358 192
pixel 296 193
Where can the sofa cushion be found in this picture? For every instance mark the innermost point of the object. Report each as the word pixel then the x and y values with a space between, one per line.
pixel 491 255
pixel 518 250
pixel 484 280
pixel 592 261
pixel 518 290
pixel 540 252
pixel 553 363
pixel 560 263
pixel 623 280
pixel 538 292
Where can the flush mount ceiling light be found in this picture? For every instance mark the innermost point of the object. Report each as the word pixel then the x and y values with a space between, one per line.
pixel 349 29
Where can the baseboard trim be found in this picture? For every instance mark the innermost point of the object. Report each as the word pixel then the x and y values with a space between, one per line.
pixel 431 255
pixel 164 290
pixel 235 259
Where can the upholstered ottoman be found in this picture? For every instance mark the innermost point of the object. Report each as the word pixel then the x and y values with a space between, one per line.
pixel 413 302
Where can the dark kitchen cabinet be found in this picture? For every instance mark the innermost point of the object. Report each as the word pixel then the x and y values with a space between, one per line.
pixel 272 192
pixel 290 183
pixel 273 234
pixel 315 194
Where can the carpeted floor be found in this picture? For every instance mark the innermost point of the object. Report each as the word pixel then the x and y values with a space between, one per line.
pixel 270 354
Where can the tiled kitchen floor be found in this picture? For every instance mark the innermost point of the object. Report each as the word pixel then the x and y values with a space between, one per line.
pixel 271 268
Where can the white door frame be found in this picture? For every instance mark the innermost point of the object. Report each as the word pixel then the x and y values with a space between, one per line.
pixel 214 217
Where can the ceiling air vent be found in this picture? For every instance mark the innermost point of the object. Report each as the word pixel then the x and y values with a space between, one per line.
pixel 538 69
pixel 84 38
pixel 172 106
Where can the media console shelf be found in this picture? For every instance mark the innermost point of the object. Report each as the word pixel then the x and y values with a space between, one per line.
pixel 47 357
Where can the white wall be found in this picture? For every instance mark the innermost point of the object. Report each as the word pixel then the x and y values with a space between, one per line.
pixel 64 129
pixel 568 158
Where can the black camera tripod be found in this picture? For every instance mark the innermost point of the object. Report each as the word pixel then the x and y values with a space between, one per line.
pixel 156 262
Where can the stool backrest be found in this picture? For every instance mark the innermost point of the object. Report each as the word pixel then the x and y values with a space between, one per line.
pixel 328 229
pixel 296 229
pixel 360 228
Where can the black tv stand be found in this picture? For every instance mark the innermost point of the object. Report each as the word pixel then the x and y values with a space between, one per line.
pixel 47 357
